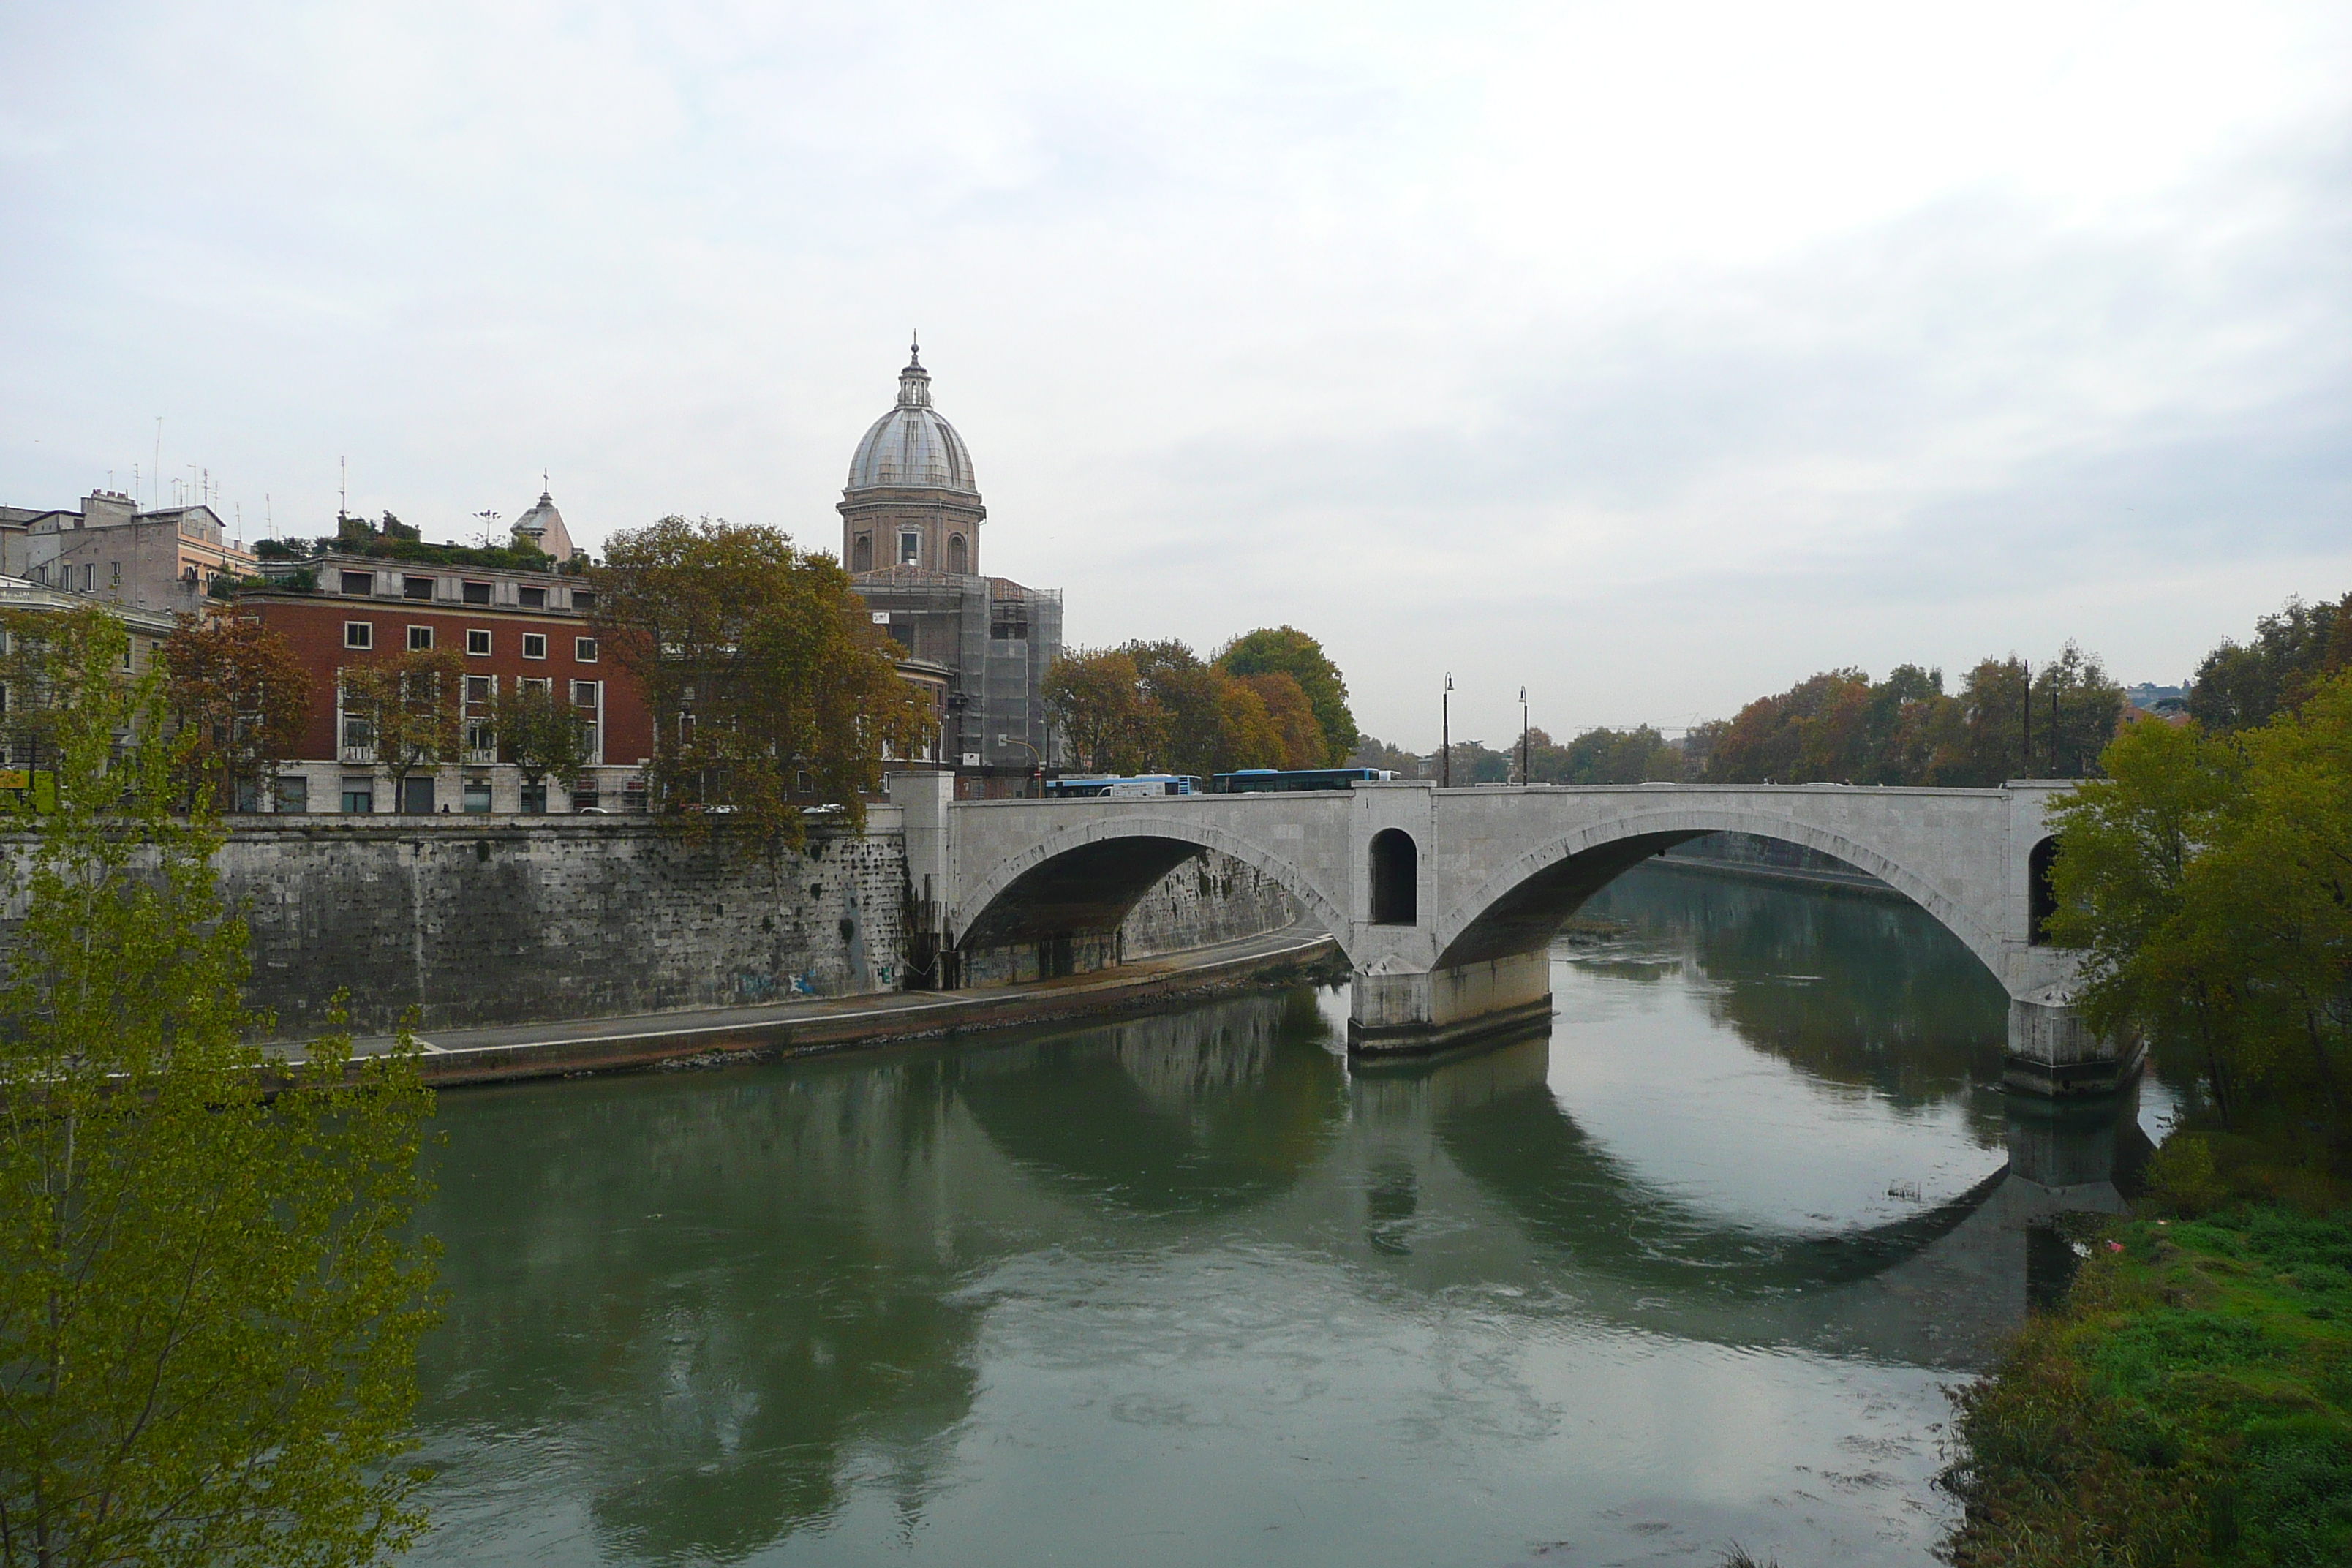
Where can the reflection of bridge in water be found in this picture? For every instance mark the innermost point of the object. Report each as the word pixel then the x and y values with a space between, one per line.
pixel 711 1290
pixel 1445 901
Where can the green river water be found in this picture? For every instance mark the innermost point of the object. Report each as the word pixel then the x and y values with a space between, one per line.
pixel 1697 1267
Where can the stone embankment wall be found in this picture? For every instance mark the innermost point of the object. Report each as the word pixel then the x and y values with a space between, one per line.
pixel 498 921
pixel 503 919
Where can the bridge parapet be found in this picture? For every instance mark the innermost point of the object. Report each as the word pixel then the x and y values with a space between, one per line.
pixel 1446 902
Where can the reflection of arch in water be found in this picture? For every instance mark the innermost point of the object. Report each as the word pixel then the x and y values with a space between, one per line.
pixel 1519 908
pixel 1891 999
pixel 1525 1151
pixel 1206 1111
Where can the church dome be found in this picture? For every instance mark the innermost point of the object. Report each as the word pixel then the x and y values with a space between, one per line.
pixel 912 448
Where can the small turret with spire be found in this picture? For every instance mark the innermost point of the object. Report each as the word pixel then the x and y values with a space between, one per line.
pixel 915 382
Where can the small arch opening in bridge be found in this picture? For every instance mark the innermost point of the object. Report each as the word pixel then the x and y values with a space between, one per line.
pixel 2041 891
pixel 1396 879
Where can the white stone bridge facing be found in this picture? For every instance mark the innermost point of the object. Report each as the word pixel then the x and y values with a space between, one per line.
pixel 1446 902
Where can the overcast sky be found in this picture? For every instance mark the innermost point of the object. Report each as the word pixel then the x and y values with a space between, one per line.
pixel 1651 357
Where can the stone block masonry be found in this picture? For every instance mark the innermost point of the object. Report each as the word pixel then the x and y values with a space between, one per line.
pixel 1209 898
pixel 485 919
pixel 488 920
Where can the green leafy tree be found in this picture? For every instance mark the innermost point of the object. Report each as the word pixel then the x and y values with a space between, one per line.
pixel 2137 893
pixel 1247 736
pixel 538 732
pixel 2075 711
pixel 240 694
pixel 210 1293
pixel 1185 696
pixel 1288 651
pixel 414 705
pixel 1107 719
pixel 1293 718
pixel 2240 685
pixel 761 665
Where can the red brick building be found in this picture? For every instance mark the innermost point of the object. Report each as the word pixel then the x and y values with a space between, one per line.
pixel 506 626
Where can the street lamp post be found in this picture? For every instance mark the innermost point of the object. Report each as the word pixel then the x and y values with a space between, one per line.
pixel 1445 734
pixel 1524 779
pixel 1036 773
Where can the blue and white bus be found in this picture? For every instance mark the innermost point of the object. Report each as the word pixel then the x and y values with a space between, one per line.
pixel 1271 781
pixel 1121 786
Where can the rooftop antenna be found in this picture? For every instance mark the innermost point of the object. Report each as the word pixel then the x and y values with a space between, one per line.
pixel 154 474
pixel 343 506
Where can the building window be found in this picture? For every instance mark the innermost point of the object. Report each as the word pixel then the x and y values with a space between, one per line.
pixel 861 554
pixel 583 693
pixel 416 587
pixel 958 558
pixel 583 598
pixel 584 794
pixel 534 798
pixel 115 573
pixel 584 649
pixel 358 584
pixel 543 684
pixel 359 794
pixel 531 598
pixel 359 634
pixel 911 549
pixel 474 796
pixel 478 688
pixel 534 644
pixel 420 640
pixel 89 578
pixel 293 795
pixel 359 739
pixel 477 593
pixel 478 642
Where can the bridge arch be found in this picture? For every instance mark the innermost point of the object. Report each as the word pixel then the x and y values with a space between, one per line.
pixel 1087 876
pixel 1518 908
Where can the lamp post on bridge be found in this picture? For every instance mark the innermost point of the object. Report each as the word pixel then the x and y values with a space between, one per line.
pixel 1445 734
pixel 1037 774
pixel 1524 779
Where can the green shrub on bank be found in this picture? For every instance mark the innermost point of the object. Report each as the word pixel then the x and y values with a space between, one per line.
pixel 2191 1404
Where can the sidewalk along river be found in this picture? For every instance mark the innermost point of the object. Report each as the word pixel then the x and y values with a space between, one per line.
pixel 1694 1265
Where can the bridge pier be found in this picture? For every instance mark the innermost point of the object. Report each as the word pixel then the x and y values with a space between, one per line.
pixel 1396 1009
pixel 2053 1054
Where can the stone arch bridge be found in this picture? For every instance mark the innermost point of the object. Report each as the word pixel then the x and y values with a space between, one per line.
pixel 1445 901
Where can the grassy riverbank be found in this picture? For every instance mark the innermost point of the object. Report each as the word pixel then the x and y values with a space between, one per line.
pixel 2192 1401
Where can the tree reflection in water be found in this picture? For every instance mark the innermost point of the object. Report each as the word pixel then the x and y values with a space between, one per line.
pixel 738 1314
pixel 694 1299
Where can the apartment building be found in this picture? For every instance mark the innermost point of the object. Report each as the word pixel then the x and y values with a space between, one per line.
pixel 509 627
pixel 166 561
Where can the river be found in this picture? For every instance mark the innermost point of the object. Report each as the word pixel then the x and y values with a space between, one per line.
pixel 1697 1267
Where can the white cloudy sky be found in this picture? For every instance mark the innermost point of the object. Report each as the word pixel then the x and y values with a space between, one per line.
pixel 1652 356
